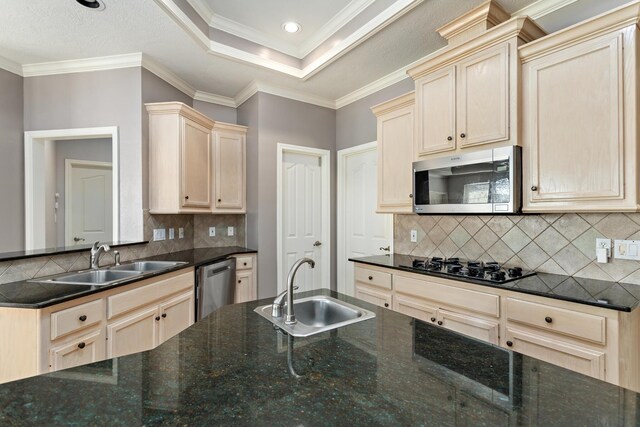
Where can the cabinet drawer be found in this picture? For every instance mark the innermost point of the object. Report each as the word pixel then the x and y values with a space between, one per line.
pixel 158 289
pixel 86 349
pixel 415 308
pixel 373 277
pixel 244 263
pixel 567 322
pixel 373 296
pixel 480 329
pixel 75 318
pixel 471 300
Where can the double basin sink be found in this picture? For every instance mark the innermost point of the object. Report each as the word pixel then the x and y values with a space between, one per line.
pixel 111 275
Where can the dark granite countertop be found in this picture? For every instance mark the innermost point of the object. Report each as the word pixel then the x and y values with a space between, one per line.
pixel 231 368
pixel 27 294
pixel 599 293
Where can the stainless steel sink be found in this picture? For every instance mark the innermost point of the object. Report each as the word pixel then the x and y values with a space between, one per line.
pixel 92 278
pixel 147 266
pixel 317 314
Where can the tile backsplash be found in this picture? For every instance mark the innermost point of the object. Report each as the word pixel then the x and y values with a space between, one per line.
pixel 195 236
pixel 550 243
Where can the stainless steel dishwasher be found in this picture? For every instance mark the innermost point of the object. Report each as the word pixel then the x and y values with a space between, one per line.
pixel 215 286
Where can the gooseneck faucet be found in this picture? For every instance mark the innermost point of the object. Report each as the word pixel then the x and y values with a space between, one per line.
pixel 96 251
pixel 276 310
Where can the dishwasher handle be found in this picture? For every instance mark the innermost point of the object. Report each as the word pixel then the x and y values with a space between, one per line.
pixel 213 272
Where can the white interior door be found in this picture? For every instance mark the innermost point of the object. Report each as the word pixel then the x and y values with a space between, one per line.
pixel 363 232
pixel 88 202
pixel 302 218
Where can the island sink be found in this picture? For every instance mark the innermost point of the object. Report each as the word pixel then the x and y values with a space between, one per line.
pixel 317 314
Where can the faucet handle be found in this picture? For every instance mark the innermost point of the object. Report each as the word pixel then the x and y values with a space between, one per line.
pixel 95 245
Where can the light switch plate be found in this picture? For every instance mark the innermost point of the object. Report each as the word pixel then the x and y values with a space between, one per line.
pixel 172 233
pixel 159 234
pixel 414 236
pixel 212 232
pixel 627 249
pixel 231 231
pixel 180 233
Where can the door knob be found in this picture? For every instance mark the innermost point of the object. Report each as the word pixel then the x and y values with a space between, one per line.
pixel 78 239
pixel 317 243
pixel 387 249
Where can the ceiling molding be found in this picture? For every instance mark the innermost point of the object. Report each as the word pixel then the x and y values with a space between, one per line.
pixel 168 76
pixel 255 87
pixel 185 22
pixel 215 99
pixel 372 87
pixel 10 66
pixel 202 8
pixel 542 8
pixel 82 65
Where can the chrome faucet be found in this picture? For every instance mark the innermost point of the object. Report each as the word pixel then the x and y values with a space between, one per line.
pixel 96 251
pixel 278 303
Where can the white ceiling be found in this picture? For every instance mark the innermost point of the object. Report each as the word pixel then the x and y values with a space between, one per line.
pixel 54 30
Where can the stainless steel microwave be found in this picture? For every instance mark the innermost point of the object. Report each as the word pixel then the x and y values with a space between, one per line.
pixel 485 181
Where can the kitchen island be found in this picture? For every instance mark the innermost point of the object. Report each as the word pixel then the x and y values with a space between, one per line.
pixel 234 368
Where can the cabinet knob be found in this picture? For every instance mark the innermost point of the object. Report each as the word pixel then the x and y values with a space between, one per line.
pixel 462 135
pixel 386 304
pixel 245 264
pixel 534 188
pixel 239 281
pixel 219 200
pixel 370 277
pixel 433 319
pixel 164 315
pixel 411 196
pixel 186 197
pixel 548 319
pixel 439 322
pixel 158 318
pixel 81 345
pixel 449 138
pixel 82 318
pixel 510 343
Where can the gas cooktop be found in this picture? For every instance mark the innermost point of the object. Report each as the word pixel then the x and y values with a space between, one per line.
pixel 490 271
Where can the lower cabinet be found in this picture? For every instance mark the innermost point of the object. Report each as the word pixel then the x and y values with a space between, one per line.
pixel 88 348
pixel 176 315
pixel 135 332
pixel 246 280
pixel 373 296
pixel 482 329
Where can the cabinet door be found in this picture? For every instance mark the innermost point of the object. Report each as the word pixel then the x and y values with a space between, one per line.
pixel 244 286
pixel 475 327
pixel 176 315
pixel 81 351
pixel 134 333
pixel 580 359
pixel 436 112
pixel 573 124
pixel 195 165
pixel 229 170
pixel 395 155
pixel 415 307
pixel 382 299
pixel 483 97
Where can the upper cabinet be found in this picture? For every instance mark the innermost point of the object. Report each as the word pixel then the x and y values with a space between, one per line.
pixel 229 168
pixel 579 109
pixel 395 154
pixel 467 94
pixel 196 165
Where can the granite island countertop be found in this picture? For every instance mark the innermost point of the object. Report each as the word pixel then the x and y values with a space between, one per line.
pixel 232 368
pixel 34 295
pixel 598 293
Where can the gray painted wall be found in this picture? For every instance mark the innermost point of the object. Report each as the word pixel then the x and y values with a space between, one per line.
pixel 95 99
pixel 356 124
pixel 280 120
pixel 11 162
pixel 217 112
pixel 98 150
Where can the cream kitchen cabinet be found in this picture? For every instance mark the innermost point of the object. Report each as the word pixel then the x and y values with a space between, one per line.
pixel 246 278
pixel 467 94
pixel 179 159
pixel 229 168
pixel 579 109
pixel 395 154
pixel 373 285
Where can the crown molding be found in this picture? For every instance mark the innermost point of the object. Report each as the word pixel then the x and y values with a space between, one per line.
pixel 10 66
pixel 255 87
pixel 202 8
pixel 542 8
pixel 215 99
pixel 406 100
pixel 372 87
pixel 114 62
pixel 168 76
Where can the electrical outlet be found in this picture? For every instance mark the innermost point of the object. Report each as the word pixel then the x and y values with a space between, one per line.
pixel 212 232
pixel 172 233
pixel 627 249
pixel 414 236
pixel 180 233
pixel 231 231
pixel 159 234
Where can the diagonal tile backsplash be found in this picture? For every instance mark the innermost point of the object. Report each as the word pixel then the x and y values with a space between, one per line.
pixel 549 243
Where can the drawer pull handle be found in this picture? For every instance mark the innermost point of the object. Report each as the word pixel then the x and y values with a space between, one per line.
pixel 82 318
pixel 449 138
pixel 186 197
pixel 548 319
pixel 245 264
pixel 433 319
pixel 386 304
pixel 440 322
pixel 510 343
pixel 164 315
pixel 370 277
pixel 81 345
pixel 534 188
pixel 157 318
pixel 462 135
pixel 219 200
pixel 239 281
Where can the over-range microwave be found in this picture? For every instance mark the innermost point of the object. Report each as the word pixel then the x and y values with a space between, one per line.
pixel 485 181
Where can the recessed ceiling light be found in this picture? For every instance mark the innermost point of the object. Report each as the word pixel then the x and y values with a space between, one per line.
pixel 92 4
pixel 291 27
